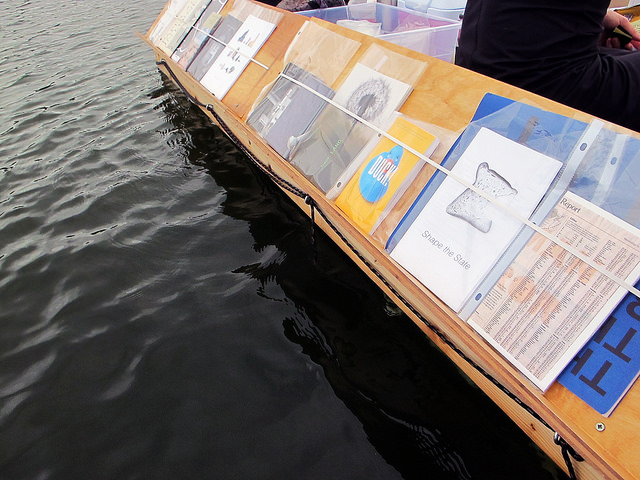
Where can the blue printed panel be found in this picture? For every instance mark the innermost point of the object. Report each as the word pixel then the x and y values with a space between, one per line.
pixel 606 367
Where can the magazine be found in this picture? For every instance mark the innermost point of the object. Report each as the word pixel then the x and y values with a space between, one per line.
pixel 197 36
pixel 289 109
pixel 180 26
pixel 384 170
pixel 213 46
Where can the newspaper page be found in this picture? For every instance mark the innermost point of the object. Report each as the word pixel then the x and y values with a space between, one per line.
pixel 549 303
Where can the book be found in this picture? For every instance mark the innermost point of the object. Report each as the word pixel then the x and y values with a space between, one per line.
pixel 608 175
pixel 242 9
pixel 609 364
pixel 235 57
pixel 336 137
pixel 213 46
pixel 457 237
pixel 321 51
pixel 371 95
pixel 605 174
pixel 547 132
pixel 549 302
pixel 197 36
pixel 180 26
pixel 383 174
pixel 328 146
pixel 288 109
pixel 168 16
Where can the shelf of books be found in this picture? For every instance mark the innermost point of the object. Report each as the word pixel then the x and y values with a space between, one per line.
pixel 504 224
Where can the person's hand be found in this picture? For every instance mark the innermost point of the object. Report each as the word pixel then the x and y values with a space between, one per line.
pixel 612 20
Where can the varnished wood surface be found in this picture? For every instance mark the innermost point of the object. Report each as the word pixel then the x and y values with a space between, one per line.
pixel 446 97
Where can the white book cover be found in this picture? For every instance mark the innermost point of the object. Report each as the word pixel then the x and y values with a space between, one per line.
pixel 246 42
pixel 372 95
pixel 181 25
pixel 459 235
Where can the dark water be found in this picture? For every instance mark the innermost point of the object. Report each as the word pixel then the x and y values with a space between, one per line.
pixel 162 315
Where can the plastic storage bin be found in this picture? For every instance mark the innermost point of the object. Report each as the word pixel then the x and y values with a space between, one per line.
pixel 452 9
pixel 428 34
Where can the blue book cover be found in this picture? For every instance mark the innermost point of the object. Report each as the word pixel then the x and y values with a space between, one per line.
pixel 607 366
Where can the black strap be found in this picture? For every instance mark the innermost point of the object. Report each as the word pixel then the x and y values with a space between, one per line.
pixel 567 453
pixel 312 204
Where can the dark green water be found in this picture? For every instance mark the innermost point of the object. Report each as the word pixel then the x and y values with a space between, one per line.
pixel 163 314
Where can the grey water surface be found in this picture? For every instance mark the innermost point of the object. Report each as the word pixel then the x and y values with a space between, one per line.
pixel 164 311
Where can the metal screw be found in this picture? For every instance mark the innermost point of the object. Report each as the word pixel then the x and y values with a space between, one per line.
pixel 600 426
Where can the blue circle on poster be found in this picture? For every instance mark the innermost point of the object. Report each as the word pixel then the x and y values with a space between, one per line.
pixel 374 181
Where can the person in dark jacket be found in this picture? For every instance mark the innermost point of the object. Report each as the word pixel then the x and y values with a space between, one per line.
pixel 566 51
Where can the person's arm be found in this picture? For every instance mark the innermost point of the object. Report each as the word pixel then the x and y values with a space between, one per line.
pixel 612 20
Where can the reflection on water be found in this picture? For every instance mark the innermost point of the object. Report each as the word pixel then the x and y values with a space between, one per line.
pixel 162 312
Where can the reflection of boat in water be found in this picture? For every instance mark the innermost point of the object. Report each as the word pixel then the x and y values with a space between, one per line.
pixel 445 96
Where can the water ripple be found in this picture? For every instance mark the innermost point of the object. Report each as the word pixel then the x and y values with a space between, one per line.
pixel 26 378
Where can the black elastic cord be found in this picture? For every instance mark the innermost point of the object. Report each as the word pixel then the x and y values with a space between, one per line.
pixel 312 214
pixel 567 453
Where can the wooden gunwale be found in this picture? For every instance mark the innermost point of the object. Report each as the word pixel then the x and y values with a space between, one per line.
pixel 446 96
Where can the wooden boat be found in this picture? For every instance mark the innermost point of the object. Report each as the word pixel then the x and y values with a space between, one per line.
pixel 445 98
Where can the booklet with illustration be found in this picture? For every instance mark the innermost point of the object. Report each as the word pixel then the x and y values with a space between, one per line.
pixel 235 57
pixel 384 170
pixel 197 36
pixel 459 234
pixel 336 137
pixel 557 136
pixel 288 109
pixel 213 46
